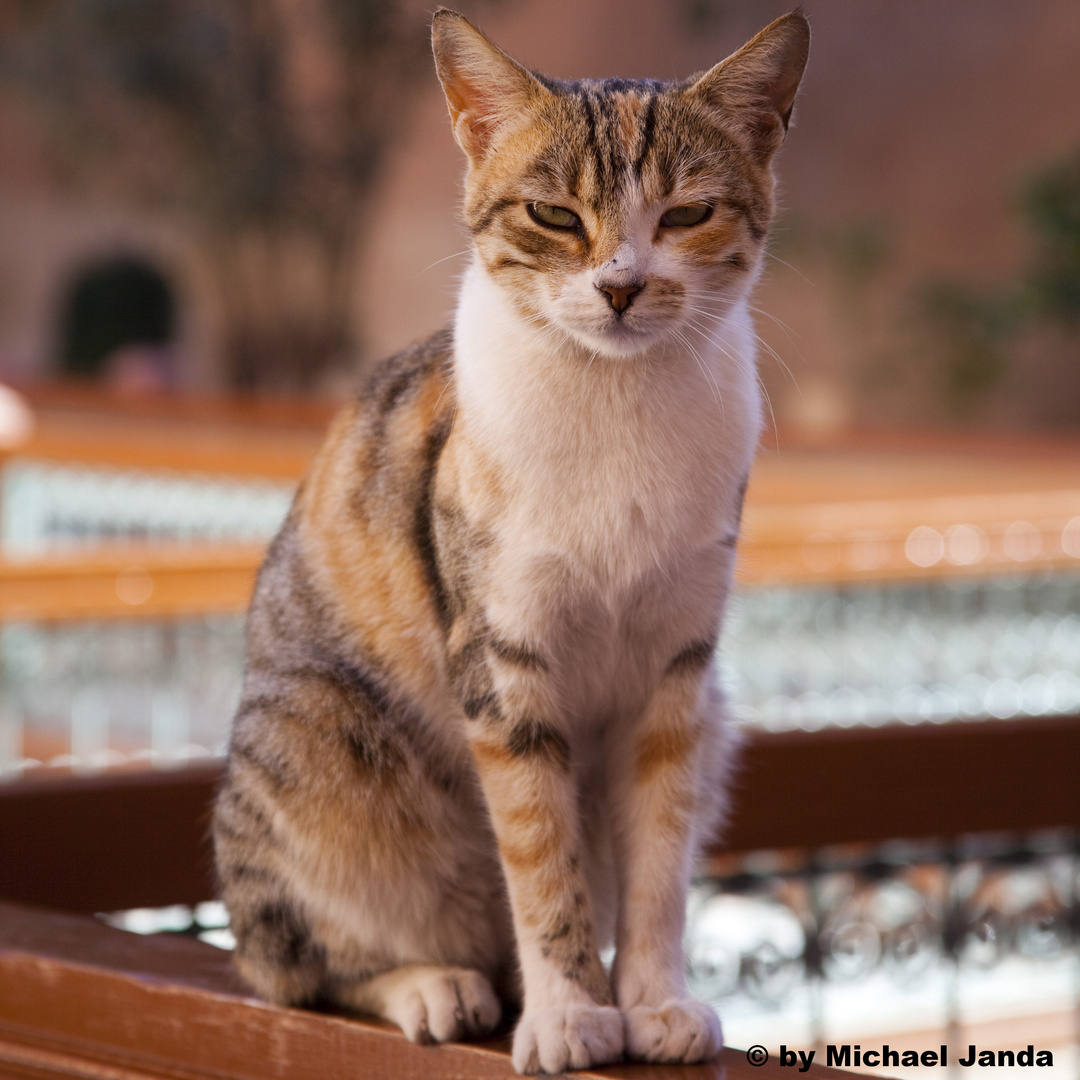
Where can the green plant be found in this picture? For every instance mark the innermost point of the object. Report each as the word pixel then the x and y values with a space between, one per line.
pixel 1051 206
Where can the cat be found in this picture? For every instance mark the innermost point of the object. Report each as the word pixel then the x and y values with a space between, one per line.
pixel 480 739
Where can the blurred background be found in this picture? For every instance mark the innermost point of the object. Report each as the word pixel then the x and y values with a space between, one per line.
pixel 217 215
pixel 264 197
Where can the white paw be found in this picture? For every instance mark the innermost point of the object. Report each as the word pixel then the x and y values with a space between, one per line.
pixel 682 1030
pixel 443 1005
pixel 574 1037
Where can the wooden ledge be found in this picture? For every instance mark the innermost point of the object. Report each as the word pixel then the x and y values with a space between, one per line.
pixel 130 581
pixel 79 999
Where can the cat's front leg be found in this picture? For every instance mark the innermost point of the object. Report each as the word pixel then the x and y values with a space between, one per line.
pixel 659 799
pixel 523 760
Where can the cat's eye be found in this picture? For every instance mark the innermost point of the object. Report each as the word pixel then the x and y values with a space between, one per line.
pixel 557 217
pixel 681 216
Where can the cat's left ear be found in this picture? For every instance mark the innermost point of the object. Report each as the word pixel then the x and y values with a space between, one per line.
pixel 755 88
pixel 486 90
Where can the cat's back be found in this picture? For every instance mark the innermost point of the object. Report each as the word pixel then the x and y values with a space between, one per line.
pixel 354 566
pixel 341 718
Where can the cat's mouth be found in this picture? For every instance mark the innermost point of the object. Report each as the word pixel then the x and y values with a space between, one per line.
pixel 620 319
pixel 622 334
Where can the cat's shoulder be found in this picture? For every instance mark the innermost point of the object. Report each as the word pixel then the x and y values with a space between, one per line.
pixel 403 408
pixel 395 381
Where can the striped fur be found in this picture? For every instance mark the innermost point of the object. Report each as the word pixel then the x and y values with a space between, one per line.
pixel 479 738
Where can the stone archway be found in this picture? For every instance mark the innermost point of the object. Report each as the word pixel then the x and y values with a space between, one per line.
pixel 118 317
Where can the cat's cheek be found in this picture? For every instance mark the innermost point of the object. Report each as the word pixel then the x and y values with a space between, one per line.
pixel 571 314
pixel 574 299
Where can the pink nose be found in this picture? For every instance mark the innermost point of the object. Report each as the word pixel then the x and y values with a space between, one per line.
pixel 619 299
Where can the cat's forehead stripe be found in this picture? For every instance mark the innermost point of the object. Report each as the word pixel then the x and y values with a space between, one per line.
pixel 647 131
pixel 619 125
pixel 591 139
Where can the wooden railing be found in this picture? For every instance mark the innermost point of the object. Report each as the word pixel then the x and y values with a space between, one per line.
pixel 130 581
pixel 141 839
pixel 78 999
pixel 270 439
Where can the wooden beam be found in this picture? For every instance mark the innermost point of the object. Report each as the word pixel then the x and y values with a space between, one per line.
pixel 825 544
pixel 126 581
pixel 109 842
pixel 141 839
pixel 911 538
pixel 218 435
pixel 79 999
pixel 867 785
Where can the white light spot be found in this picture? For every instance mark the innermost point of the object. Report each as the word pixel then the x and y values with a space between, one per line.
pixel 1003 699
pixel 134 586
pixel 924 546
pixel 1070 538
pixel 966 544
pixel 1022 541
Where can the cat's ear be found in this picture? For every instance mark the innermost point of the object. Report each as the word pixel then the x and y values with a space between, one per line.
pixel 755 87
pixel 485 88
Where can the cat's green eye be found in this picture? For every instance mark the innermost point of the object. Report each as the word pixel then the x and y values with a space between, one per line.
pixel 681 216
pixel 557 217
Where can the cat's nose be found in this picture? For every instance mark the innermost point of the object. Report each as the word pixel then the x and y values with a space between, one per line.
pixel 619 297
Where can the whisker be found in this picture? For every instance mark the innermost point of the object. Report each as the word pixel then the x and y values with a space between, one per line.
pixel 740 365
pixel 704 368
pixel 456 254
pixel 793 269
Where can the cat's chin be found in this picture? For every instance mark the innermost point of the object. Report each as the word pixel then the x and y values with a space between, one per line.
pixel 619 342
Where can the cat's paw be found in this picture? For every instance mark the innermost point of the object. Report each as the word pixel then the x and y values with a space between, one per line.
pixel 573 1037
pixel 443 1005
pixel 679 1031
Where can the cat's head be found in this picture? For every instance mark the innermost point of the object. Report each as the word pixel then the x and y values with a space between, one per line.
pixel 623 212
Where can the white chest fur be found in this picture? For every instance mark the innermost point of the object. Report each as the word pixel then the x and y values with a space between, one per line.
pixel 619 466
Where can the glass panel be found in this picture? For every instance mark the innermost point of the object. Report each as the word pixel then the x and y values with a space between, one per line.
pixel 45 507
pixel 101 694
pixel 810 657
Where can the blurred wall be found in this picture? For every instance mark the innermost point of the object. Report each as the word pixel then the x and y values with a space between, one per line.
pixel 916 127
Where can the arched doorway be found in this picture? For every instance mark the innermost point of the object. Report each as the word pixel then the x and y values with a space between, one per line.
pixel 117 322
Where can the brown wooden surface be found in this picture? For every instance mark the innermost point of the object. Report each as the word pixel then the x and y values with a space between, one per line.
pixel 129 581
pixel 837 786
pixel 74 397
pixel 867 540
pixel 141 840
pixel 268 438
pixel 843 510
pixel 109 842
pixel 80 999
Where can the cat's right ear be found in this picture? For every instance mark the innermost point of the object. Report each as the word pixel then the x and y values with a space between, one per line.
pixel 755 87
pixel 485 89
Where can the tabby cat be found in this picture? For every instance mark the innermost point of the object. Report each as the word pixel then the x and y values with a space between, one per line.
pixel 480 740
